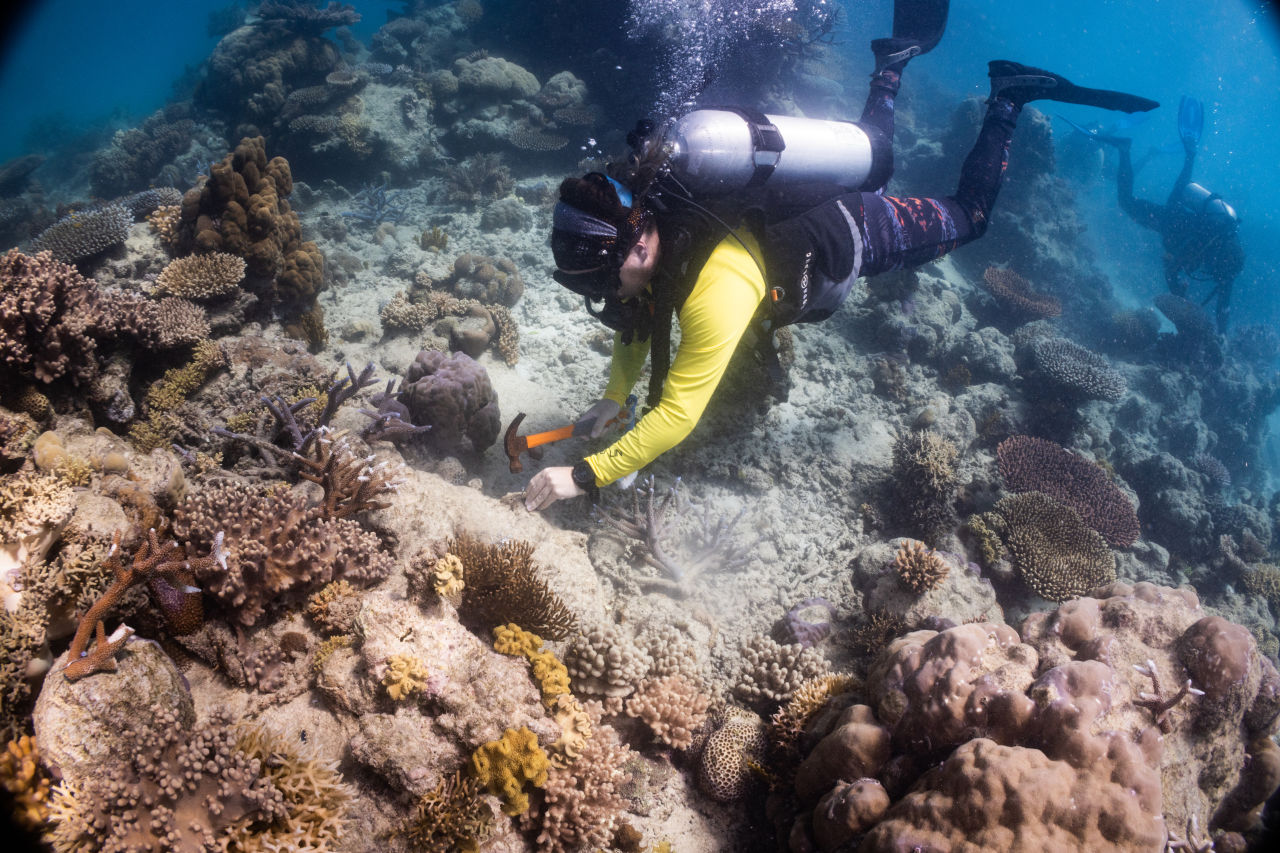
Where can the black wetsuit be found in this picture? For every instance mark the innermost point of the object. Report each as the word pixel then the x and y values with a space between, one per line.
pixel 865 233
pixel 1195 245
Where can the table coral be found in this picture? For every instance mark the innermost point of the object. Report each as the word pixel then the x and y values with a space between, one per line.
pixel 1030 464
pixel 1054 551
pixel 1077 372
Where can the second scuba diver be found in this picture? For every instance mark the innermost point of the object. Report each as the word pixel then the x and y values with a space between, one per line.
pixel 1198 229
pixel 634 252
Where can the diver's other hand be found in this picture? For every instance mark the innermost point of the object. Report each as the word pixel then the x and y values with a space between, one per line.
pixel 550 485
pixel 599 416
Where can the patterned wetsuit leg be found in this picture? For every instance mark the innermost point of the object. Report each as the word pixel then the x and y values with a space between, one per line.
pixel 901 233
pixel 878 113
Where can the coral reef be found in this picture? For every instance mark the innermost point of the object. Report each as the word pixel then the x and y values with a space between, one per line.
pixel 85 233
pixel 1034 464
pixel 503 586
pixel 452 395
pixel 1078 373
pixel 919 567
pixel 1016 297
pixel 1053 550
pixel 506 765
pixel 202 276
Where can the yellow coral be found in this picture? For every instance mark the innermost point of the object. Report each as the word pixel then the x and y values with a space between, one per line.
pixel 26 782
pixel 551 675
pixel 575 729
pixel 448 579
pixel 511 639
pixel 405 676
pixel 505 766
pixel 327 648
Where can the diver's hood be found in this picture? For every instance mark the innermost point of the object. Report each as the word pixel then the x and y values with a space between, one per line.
pixel 1196 198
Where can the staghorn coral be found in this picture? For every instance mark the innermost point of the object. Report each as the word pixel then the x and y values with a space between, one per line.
pixel 605 661
pixel 672 708
pixel 1079 373
pixel 1030 464
pixel 1014 294
pixel 85 233
pixel 503 586
pixel 279 549
pixel 769 672
pixel 208 276
pixel 405 676
pixel 920 568
pixel 506 765
pixel 351 485
pixel 450 817
pixel 169 572
pixel 924 480
pixel 725 769
pixel 1054 551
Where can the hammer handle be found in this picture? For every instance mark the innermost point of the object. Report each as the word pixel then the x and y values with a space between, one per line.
pixel 549 436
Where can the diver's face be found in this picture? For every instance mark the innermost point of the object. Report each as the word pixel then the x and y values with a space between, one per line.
pixel 638 267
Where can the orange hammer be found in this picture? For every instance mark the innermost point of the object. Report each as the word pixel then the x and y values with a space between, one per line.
pixel 517 444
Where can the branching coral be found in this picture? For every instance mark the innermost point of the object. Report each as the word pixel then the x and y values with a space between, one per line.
pixel 771 672
pixel 919 566
pixel 450 817
pixel 279 549
pixel 582 802
pixel 673 709
pixel 1079 373
pixel 503 586
pixel 716 547
pixel 605 661
pixel 169 572
pixel 26 781
pixel 351 485
pixel 202 276
pixel 49 314
pixel 33 510
pixel 924 480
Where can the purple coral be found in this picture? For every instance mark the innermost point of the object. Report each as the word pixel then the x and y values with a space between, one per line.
pixel 452 393
pixel 806 633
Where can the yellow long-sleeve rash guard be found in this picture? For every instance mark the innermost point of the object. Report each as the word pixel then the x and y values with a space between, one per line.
pixel 725 296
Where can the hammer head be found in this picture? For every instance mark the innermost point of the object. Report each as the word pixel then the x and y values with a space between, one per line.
pixel 515 444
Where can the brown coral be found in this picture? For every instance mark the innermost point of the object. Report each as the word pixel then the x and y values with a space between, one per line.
pixel 673 708
pixel 725 770
pixel 1031 464
pixel 1054 551
pixel 583 802
pixel 502 585
pixel 919 566
pixel 202 276
pixel 450 817
pixel 49 314
pixel 279 549
pixel 1015 295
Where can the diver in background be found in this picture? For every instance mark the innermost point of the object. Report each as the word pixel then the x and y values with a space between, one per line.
pixel 615 245
pixel 1198 229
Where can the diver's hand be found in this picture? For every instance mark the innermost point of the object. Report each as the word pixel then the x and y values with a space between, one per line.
pixel 600 414
pixel 550 485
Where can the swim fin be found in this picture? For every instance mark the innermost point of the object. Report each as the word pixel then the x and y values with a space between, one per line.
pixel 918 26
pixel 1190 119
pixel 1022 83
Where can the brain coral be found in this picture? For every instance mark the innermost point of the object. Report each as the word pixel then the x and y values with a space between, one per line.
pixel 724 772
pixel 1054 551
pixel 1036 465
pixel 1078 371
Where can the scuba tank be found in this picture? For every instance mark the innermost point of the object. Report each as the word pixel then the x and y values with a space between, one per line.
pixel 715 152
pixel 1197 199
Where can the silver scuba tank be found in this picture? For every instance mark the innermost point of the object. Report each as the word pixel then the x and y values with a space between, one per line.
pixel 717 151
pixel 1196 198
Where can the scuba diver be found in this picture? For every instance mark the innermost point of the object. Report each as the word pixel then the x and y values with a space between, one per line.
pixel 639 248
pixel 1197 227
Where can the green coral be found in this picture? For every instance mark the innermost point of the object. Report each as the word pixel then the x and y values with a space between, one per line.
pixel 506 765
